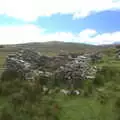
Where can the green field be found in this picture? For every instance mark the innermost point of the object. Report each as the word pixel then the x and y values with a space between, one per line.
pixel 77 107
pixel 86 109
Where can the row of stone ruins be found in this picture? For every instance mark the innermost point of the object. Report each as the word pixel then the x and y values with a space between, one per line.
pixel 29 65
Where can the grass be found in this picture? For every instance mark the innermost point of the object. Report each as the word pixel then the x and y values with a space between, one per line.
pixel 2 60
pixel 2 100
pixel 89 108
pixel 3 56
pixel 80 107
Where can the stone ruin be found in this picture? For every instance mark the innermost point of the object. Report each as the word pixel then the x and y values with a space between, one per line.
pixel 28 65
pixel 73 72
pixel 25 64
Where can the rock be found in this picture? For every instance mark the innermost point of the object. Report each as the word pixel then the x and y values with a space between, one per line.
pixel 77 92
pixel 30 65
pixel 26 64
pixel 74 72
pixel 65 92
pixel 70 92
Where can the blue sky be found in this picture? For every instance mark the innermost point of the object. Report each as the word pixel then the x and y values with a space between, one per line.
pixel 107 21
pixel 94 21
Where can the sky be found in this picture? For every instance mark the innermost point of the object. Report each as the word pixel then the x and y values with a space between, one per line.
pixel 82 21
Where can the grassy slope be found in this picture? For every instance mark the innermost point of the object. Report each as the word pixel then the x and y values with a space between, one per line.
pixel 52 48
pixel 86 109
pixel 79 108
pixel 48 48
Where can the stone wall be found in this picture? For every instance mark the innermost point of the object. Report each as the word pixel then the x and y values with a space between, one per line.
pixel 30 65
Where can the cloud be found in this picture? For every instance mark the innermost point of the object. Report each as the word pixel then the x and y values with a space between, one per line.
pixel 87 33
pixel 96 38
pixel 32 33
pixel 19 34
pixel 30 10
pixel 106 38
pixel 29 33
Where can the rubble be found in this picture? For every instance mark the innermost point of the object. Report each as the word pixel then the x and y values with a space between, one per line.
pixel 30 65
pixel 25 64
pixel 74 72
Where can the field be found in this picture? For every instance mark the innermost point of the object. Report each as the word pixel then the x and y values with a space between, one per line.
pixel 3 56
pixel 98 106
pixel 86 109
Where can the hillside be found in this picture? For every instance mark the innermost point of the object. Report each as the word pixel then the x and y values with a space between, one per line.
pixel 99 98
pixel 52 47
pixel 56 47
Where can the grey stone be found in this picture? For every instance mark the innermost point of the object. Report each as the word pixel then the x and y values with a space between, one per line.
pixel 31 65
pixel 75 71
pixel 26 63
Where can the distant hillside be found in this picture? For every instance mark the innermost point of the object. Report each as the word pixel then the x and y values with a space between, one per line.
pixel 55 47
pixel 116 43
pixel 58 46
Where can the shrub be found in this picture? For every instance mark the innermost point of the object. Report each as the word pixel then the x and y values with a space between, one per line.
pixel 103 97
pixel 99 79
pixel 117 108
pixel 117 103
pixel 109 52
pixel 88 87
pixel 1 46
pixel 9 75
pixel 106 74
pixel 10 87
pixel 27 103
pixel 17 99
pixel 5 114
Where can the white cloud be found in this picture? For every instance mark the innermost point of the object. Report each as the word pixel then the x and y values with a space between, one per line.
pixel 29 33
pixel 96 38
pixel 106 38
pixel 19 34
pixel 32 33
pixel 30 10
pixel 87 33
